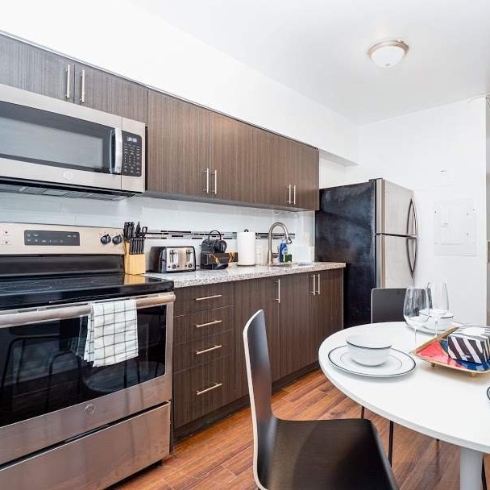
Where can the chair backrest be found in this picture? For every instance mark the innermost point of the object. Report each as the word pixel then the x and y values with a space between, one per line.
pixel 260 390
pixel 387 304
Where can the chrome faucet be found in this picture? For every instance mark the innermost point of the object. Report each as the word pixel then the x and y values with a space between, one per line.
pixel 270 254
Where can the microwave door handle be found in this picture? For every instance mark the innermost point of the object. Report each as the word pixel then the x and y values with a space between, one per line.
pixel 118 151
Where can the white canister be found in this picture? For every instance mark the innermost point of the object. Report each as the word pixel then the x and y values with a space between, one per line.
pixel 246 247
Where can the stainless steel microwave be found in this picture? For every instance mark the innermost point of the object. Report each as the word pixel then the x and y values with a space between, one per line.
pixel 49 146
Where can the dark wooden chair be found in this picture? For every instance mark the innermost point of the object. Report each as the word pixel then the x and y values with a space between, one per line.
pixel 343 454
pixel 387 306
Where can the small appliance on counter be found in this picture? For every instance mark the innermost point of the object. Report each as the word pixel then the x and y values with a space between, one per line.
pixel 172 259
pixel 213 253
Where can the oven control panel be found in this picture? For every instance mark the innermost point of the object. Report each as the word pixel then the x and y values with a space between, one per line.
pixel 26 238
pixel 132 151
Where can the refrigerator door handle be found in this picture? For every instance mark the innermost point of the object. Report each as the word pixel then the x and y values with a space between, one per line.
pixel 397 235
pixel 412 218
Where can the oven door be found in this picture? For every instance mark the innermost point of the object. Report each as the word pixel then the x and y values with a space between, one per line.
pixel 49 393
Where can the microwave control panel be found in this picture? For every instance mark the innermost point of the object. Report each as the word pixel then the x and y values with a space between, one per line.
pixel 132 150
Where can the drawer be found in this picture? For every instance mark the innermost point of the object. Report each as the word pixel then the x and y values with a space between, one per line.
pixel 201 351
pixel 200 298
pixel 202 390
pixel 201 324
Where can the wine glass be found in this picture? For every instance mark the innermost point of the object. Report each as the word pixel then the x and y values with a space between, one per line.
pixel 438 301
pixel 416 308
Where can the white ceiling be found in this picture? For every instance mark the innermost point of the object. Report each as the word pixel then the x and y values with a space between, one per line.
pixel 318 47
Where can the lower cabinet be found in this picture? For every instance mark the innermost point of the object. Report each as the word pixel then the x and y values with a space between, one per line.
pixel 204 351
pixel 299 315
pixel 301 310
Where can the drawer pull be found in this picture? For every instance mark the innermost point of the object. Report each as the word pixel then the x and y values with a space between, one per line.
pixel 214 322
pixel 215 347
pixel 209 297
pixel 216 385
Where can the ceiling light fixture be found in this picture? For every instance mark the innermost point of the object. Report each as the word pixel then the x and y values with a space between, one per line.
pixel 388 53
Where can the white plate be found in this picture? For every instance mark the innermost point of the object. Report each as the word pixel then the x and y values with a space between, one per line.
pixel 398 364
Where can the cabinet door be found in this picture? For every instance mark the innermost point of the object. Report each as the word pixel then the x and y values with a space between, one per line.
pixel 296 324
pixel 178 146
pixel 109 93
pixel 269 185
pixel 303 166
pixel 329 304
pixel 233 174
pixel 251 296
pixel 34 69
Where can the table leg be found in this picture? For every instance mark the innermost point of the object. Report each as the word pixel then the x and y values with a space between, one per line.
pixel 470 462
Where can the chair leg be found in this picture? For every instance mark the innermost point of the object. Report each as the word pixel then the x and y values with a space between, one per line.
pixel 390 443
pixel 362 412
pixel 483 476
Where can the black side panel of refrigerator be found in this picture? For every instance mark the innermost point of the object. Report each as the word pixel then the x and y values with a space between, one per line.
pixel 345 232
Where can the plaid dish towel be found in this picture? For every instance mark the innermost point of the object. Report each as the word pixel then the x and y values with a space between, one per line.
pixel 112 333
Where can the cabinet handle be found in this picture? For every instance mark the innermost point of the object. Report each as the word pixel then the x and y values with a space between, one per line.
pixel 215 191
pixel 215 385
pixel 294 194
pixel 206 190
pixel 214 322
pixel 68 81
pixel 204 351
pixel 313 291
pixel 82 96
pixel 289 195
pixel 318 286
pixel 204 298
pixel 278 299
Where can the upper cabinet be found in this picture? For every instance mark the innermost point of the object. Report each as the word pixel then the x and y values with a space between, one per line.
pixel 192 152
pixel 37 70
pixel 197 153
pixel 178 147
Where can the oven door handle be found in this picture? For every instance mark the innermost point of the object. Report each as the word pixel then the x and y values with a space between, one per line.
pixel 63 312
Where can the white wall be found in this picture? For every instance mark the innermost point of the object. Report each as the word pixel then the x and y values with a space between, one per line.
pixel 440 154
pixel 117 35
pixel 157 214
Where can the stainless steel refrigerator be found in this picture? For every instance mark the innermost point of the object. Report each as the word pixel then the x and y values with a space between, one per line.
pixel 372 227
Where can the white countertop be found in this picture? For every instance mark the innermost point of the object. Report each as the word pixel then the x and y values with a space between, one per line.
pixel 240 273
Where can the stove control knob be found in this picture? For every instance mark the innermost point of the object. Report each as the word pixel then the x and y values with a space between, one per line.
pixel 105 239
pixel 117 239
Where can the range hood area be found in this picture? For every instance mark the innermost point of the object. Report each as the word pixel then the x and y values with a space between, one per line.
pixel 34 188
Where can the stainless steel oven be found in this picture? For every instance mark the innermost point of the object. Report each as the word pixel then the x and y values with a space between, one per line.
pixel 48 146
pixel 63 422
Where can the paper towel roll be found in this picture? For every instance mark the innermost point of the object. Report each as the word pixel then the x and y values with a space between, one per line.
pixel 246 247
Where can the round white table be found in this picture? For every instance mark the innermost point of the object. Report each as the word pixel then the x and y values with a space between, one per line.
pixel 436 401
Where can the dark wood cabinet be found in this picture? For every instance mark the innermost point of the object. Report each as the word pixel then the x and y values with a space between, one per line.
pixel 178 147
pixel 37 70
pixel 233 160
pixel 298 318
pixel 303 169
pixel 109 93
pixel 251 296
pixel 196 153
pixel 204 351
pixel 30 68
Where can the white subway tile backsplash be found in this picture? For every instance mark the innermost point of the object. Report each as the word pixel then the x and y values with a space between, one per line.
pixel 157 214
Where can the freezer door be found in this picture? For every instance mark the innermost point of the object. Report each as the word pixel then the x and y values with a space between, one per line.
pixel 392 208
pixel 393 265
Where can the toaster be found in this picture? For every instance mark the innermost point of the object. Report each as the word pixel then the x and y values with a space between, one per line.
pixel 172 259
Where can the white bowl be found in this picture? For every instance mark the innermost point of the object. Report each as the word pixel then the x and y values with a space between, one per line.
pixel 368 349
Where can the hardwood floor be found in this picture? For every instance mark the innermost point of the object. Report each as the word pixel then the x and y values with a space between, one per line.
pixel 221 456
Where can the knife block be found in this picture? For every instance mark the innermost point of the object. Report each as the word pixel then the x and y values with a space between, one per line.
pixel 133 263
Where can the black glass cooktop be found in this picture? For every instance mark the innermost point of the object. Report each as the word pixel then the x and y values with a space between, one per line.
pixel 21 293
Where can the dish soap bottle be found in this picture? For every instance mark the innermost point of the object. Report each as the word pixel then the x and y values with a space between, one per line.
pixel 283 250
